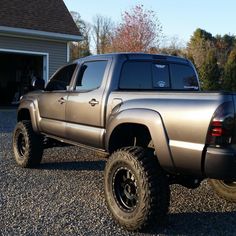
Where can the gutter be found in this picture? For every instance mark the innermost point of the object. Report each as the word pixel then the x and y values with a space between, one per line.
pixel 39 34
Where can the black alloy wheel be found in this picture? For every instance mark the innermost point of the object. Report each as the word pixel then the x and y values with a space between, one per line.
pixel 21 145
pixel 125 189
pixel 27 145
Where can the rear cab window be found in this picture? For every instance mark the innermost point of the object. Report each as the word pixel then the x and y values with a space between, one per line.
pixel 151 75
pixel 161 76
pixel 183 77
pixel 136 75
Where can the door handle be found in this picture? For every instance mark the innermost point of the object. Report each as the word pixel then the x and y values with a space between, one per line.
pixel 61 100
pixel 93 102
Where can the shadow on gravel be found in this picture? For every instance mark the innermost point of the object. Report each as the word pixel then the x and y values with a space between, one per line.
pixel 203 223
pixel 80 165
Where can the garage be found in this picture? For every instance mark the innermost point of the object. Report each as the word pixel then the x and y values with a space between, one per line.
pixel 32 44
pixel 17 70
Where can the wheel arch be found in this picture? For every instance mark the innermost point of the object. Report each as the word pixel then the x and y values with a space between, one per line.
pixel 129 134
pixel 143 124
pixel 26 111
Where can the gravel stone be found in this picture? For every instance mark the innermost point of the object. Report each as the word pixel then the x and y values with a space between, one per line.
pixel 64 196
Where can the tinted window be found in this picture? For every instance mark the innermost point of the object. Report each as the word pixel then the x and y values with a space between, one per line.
pixel 161 77
pixel 136 75
pixel 183 77
pixel 91 75
pixel 61 79
pixel 151 75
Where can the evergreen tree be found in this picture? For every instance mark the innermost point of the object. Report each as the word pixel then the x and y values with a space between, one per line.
pixel 224 45
pixel 229 82
pixel 210 72
pixel 198 47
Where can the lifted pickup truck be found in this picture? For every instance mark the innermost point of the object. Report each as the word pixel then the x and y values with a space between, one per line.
pixel 147 113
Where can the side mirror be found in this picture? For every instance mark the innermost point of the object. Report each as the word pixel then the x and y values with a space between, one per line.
pixel 38 84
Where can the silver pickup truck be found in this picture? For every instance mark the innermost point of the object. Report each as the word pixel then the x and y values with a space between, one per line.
pixel 148 113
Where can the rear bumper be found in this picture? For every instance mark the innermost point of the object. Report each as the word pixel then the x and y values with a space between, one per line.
pixel 220 163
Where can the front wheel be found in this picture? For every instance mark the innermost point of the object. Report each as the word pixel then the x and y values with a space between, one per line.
pixel 27 145
pixel 136 188
pixel 225 189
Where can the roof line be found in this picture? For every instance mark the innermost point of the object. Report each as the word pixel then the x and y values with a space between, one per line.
pixel 40 34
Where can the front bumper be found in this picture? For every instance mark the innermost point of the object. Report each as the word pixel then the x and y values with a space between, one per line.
pixel 220 163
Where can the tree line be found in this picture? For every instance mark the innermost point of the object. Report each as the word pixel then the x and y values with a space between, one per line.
pixel 214 58
pixel 141 31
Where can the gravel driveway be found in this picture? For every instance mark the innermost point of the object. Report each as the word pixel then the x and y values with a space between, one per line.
pixel 64 196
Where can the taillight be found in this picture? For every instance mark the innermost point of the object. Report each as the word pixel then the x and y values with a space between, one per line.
pixel 216 129
pixel 221 128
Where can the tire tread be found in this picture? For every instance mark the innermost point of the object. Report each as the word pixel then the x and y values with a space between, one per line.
pixel 34 152
pixel 158 197
pixel 227 193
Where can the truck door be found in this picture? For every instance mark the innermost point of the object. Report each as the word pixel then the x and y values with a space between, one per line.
pixel 52 102
pixel 85 107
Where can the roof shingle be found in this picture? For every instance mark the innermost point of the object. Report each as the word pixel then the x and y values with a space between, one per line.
pixel 43 15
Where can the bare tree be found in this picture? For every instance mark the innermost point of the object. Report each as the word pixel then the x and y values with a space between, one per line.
pixel 174 46
pixel 102 31
pixel 82 48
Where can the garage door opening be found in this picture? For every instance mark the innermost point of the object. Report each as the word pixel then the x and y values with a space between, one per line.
pixel 16 73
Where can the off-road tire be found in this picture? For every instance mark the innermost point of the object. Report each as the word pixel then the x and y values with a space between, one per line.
pixel 152 191
pixel 27 145
pixel 224 189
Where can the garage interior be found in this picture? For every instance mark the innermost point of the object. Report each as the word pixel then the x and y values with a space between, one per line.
pixel 16 73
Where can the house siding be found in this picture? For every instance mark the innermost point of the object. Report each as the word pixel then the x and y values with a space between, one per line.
pixel 57 51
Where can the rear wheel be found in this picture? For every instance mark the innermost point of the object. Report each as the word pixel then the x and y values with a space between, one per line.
pixel 136 188
pixel 225 189
pixel 27 145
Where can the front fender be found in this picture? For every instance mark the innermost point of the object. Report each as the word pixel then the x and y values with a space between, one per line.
pixel 31 107
pixel 153 121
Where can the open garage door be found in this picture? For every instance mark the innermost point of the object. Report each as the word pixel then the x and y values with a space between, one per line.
pixel 16 73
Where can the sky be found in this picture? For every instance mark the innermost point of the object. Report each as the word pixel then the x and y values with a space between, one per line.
pixel 179 18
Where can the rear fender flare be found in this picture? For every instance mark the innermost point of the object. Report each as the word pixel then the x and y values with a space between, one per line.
pixel 153 121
